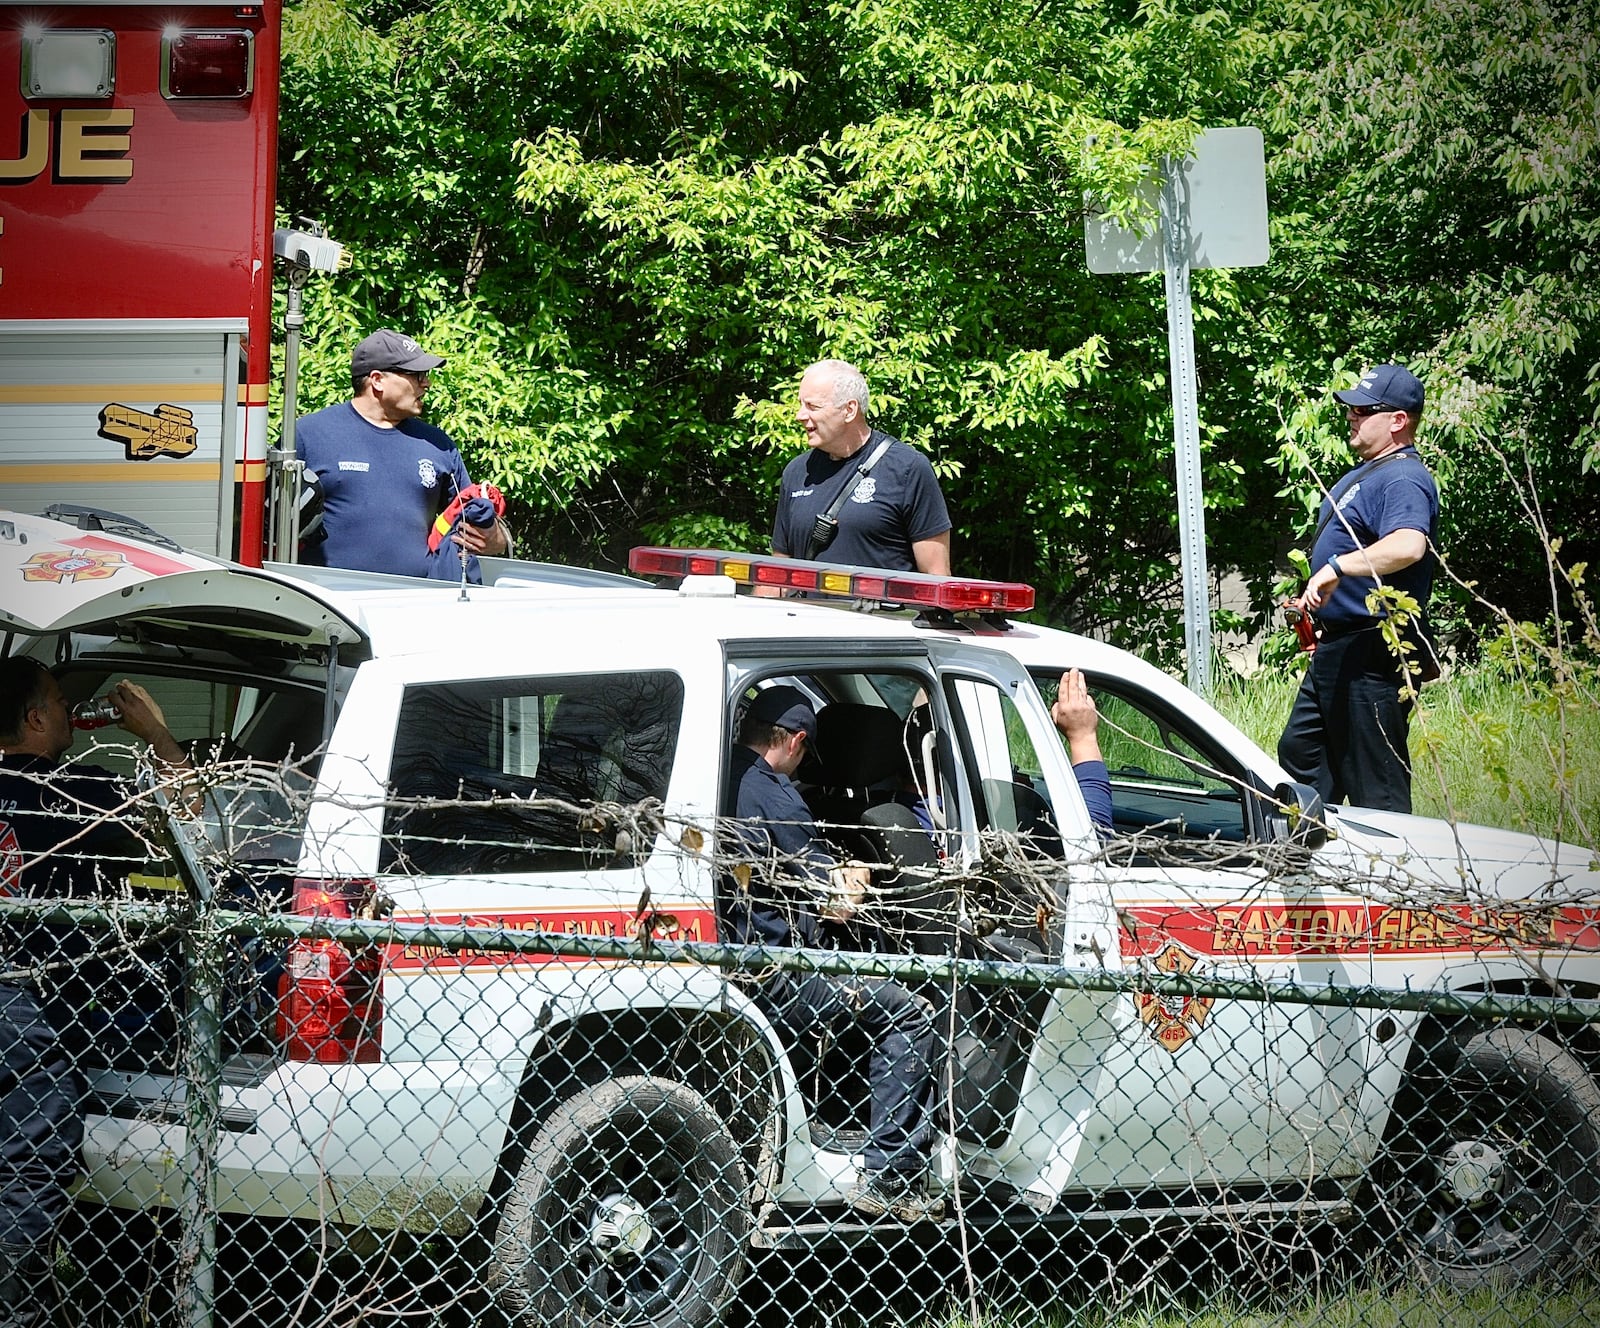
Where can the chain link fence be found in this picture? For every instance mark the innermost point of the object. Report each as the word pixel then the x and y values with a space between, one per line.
pixel 234 1097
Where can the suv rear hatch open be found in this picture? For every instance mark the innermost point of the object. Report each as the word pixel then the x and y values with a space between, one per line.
pixel 245 665
pixel 57 578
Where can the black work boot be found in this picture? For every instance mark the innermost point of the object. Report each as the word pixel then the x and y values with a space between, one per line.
pixel 27 1286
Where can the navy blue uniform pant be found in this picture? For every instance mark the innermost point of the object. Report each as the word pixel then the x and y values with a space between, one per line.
pixel 41 1121
pixel 904 1049
pixel 1347 735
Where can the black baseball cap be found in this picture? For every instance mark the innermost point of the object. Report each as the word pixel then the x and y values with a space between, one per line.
pixel 787 707
pixel 1386 385
pixel 386 349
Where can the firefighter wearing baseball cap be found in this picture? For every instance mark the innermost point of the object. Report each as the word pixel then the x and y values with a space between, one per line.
pixel 1347 735
pixel 387 477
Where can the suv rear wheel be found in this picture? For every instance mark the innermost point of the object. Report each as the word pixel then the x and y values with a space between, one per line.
pixel 629 1209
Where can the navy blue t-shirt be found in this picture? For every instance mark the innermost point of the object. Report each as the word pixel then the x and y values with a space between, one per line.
pixel 59 836
pixel 1395 492
pixel 897 504
pixel 778 836
pixel 60 839
pixel 382 489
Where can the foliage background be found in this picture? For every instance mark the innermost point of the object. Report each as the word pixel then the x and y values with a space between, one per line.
pixel 630 224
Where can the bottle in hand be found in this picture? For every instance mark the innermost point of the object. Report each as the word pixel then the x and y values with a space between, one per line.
pixel 1303 626
pixel 97 712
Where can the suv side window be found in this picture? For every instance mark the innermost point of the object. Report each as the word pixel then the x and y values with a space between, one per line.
pixel 1008 782
pixel 492 776
pixel 260 739
pixel 1163 781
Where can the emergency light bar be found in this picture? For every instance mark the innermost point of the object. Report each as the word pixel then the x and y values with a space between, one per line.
pixel 917 589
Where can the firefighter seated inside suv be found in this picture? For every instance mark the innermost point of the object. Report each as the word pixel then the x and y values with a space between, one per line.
pixel 785 883
pixel 875 798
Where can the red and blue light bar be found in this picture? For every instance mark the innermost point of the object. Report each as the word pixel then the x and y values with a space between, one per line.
pixel 915 589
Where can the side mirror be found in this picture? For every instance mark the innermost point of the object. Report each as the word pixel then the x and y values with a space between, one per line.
pixel 1300 817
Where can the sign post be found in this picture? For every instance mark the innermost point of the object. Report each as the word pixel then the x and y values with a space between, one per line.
pixel 1213 210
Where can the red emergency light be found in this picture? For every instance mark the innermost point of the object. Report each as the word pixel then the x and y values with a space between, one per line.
pixel 218 64
pixel 950 593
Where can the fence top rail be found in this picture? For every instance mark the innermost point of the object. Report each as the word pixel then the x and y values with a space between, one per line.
pixel 1040 976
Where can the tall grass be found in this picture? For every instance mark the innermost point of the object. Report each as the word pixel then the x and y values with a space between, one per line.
pixel 1574 1306
pixel 1487 748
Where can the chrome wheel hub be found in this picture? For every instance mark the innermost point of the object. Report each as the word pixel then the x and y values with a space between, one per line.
pixel 1473 1171
pixel 620 1228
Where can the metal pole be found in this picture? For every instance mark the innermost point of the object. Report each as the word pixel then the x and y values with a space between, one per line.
pixel 1186 425
pixel 286 468
pixel 294 319
pixel 203 943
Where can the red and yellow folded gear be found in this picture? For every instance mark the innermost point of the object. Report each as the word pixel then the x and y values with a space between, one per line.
pixel 446 520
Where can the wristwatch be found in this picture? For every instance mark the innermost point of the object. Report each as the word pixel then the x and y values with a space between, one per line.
pixel 1333 563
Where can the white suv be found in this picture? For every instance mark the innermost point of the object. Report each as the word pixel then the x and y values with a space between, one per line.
pixel 547 752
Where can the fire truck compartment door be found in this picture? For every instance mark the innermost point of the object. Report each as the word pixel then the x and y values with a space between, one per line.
pixel 137 417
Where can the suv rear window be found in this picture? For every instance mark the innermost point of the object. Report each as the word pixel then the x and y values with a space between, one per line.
pixel 491 777
pixel 259 741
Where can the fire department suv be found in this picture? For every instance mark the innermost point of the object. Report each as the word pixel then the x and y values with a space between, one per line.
pixel 547 752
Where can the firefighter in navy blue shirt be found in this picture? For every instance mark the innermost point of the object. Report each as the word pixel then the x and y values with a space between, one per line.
pixel 894 517
pixel 386 475
pixel 1347 735
pixel 60 837
pixel 786 883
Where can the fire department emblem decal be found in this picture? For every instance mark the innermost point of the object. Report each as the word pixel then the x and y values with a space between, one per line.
pixel 426 473
pixel 1172 1018
pixel 864 490
pixel 72 566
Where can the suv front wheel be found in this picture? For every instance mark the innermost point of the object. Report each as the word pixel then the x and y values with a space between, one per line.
pixel 1496 1178
pixel 629 1208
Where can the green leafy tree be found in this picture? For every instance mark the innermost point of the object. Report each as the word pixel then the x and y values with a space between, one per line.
pixel 633 225
pixel 1437 160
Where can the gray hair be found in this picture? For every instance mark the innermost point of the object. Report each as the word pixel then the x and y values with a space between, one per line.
pixel 849 383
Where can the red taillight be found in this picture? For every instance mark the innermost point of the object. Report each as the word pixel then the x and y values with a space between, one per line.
pixel 330 1002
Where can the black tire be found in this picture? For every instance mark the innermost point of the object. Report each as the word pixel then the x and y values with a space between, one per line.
pixel 1496 1178
pixel 629 1209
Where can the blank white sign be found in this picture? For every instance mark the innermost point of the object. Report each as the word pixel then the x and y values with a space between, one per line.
pixel 1223 188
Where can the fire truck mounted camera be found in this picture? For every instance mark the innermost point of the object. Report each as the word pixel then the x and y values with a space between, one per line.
pixel 317 253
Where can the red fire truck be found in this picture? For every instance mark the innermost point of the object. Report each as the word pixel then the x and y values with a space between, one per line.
pixel 138 150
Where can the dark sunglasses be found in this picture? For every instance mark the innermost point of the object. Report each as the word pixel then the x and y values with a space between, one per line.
pixel 1362 412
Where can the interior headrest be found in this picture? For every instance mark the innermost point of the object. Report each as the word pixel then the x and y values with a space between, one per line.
pixel 860 745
